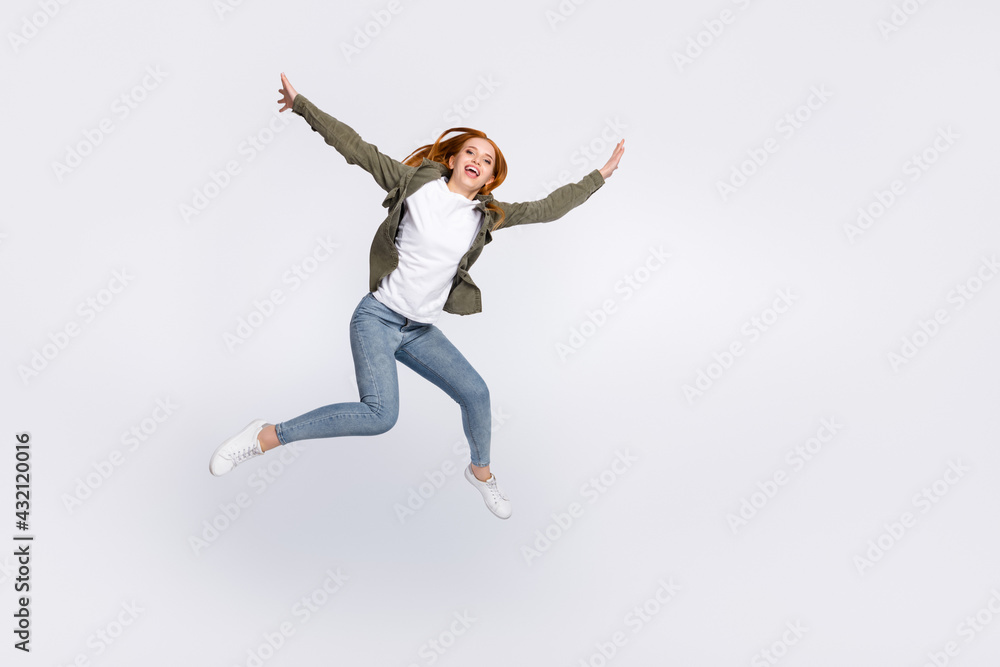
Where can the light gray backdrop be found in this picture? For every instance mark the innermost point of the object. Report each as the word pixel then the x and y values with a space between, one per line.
pixel 745 396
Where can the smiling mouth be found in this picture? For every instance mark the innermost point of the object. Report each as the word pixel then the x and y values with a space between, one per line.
pixel 472 171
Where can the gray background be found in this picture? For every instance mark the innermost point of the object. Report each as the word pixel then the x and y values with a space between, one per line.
pixel 556 85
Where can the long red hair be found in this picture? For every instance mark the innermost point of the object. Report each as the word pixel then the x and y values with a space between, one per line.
pixel 442 149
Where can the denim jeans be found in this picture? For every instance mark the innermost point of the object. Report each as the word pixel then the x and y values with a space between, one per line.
pixel 379 337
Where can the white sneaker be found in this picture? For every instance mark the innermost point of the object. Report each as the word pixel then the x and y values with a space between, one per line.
pixel 496 501
pixel 237 449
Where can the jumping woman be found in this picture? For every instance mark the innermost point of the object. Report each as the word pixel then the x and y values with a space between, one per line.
pixel 441 215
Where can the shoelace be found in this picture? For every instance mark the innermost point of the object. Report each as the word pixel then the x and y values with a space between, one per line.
pixel 243 454
pixel 494 489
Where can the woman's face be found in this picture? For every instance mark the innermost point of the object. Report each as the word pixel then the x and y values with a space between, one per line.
pixel 473 165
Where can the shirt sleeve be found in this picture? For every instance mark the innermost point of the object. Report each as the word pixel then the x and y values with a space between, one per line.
pixel 387 172
pixel 557 204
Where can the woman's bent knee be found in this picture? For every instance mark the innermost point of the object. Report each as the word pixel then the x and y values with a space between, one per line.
pixel 383 418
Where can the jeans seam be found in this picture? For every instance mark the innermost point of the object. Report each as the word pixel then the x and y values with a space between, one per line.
pixel 316 420
pixel 368 365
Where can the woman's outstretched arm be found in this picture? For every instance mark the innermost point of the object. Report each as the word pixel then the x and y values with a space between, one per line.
pixel 386 171
pixel 563 199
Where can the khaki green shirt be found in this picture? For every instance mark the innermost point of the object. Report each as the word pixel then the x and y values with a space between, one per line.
pixel 400 181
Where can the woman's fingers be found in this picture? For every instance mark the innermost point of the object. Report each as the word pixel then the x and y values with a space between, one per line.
pixel 287 93
pixel 619 151
pixel 287 90
pixel 612 163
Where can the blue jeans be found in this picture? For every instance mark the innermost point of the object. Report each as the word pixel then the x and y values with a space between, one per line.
pixel 379 337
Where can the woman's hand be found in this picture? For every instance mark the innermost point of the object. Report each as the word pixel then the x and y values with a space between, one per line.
pixel 288 93
pixel 612 164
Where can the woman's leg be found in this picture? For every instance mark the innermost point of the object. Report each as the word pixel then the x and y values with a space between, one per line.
pixel 432 356
pixel 373 341
pixel 435 358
